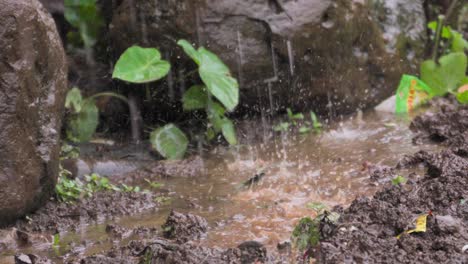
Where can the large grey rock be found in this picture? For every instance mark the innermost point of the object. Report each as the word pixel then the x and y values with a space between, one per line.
pixel 33 82
pixel 333 56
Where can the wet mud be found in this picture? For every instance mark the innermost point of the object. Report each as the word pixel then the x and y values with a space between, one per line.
pixel 367 230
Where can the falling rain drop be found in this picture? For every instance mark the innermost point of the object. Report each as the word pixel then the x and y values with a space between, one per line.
pixel 290 57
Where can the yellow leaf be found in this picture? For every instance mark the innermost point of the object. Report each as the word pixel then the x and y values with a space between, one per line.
pixel 420 226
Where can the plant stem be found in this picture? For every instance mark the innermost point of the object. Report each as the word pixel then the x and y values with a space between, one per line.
pixel 440 26
pixel 111 94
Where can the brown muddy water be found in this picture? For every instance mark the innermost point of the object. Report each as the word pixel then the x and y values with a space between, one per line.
pixel 331 167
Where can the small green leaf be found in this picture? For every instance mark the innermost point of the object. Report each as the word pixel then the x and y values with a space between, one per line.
pixel 463 97
pixel 447 75
pixel 82 125
pixel 84 16
pixel 190 50
pixel 283 126
pixel 74 100
pixel 215 113
pixel 169 141
pixel 195 98
pixel 317 207
pixel 304 130
pixel 229 132
pixel 399 180
pixel 315 123
pixel 459 44
pixel 446 31
pixel 140 65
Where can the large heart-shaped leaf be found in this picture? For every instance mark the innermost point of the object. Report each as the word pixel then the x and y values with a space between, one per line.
pixel 447 75
pixel 218 80
pixel 195 98
pixel 215 74
pixel 169 141
pixel 141 65
pixel 82 125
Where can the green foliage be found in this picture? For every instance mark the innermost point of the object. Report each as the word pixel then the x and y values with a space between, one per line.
pixel 84 16
pixel 195 98
pixel 84 118
pixel 293 119
pixel 463 97
pixel 140 65
pixel 456 40
pixel 318 207
pixel 214 74
pixel 439 76
pixel 143 65
pixel 306 234
pixel 218 84
pixel 446 75
pixel 154 185
pixel 69 190
pixel 399 180
pixel 169 141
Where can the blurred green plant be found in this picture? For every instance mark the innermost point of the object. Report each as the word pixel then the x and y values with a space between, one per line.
pixel 69 190
pixel 84 17
pixel 398 180
pixel 439 75
pixel 84 117
pixel 307 233
pixel 293 119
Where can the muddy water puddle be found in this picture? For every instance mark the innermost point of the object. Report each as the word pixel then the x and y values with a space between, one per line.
pixel 331 168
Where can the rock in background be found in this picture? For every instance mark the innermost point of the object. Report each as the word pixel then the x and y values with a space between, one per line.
pixel 33 82
pixel 333 56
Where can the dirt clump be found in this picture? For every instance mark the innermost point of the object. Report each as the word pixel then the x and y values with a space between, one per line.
pixel 184 227
pixel 367 231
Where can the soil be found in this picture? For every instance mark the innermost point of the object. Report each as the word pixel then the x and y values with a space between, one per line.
pixel 367 231
pixel 57 217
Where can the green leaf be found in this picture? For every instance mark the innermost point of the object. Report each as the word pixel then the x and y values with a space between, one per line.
pixel 218 80
pixel 463 97
pixel 82 125
pixel 215 74
pixel 74 100
pixel 459 44
pixel 317 207
pixel 215 113
pixel 195 98
pixel 283 126
pixel 315 123
pixel 229 132
pixel 140 65
pixel 447 75
pixel 304 130
pixel 446 31
pixel 190 50
pixel 399 180
pixel 84 16
pixel 169 141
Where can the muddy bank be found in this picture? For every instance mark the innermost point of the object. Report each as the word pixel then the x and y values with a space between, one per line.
pixel 59 217
pixel 367 230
